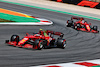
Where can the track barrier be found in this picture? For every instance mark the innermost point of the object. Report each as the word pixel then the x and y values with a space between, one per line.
pixel 71 1
pixel 90 4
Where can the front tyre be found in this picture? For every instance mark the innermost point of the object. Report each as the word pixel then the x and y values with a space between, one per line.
pixel 69 23
pixel 14 38
pixel 39 44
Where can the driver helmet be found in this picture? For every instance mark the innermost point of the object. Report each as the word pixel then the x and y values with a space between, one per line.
pixel 41 32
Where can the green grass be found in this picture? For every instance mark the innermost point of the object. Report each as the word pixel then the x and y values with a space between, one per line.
pixel 52 10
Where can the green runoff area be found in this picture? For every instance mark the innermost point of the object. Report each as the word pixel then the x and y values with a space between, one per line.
pixel 96 66
pixel 51 10
pixel 74 14
pixel 35 20
pixel 12 18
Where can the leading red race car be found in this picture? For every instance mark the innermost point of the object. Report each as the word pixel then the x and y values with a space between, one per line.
pixel 79 23
pixel 43 39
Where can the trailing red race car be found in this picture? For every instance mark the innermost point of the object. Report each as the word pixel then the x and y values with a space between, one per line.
pixel 79 23
pixel 43 39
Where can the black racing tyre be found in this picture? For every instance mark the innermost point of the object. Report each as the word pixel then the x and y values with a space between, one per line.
pixel 61 43
pixel 77 26
pixel 45 42
pixel 69 23
pixel 14 38
pixel 52 42
pixel 39 44
pixel 95 28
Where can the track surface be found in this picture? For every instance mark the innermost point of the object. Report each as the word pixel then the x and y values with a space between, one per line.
pixel 80 45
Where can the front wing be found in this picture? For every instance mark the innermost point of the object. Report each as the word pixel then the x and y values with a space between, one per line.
pixel 14 43
pixel 83 29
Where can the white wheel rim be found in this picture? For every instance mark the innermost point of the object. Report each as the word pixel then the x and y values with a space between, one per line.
pixel 75 27
pixel 66 24
pixel 64 44
pixel 41 45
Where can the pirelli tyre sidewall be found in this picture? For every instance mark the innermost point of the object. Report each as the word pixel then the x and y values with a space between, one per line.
pixel 95 28
pixel 39 44
pixel 61 43
pixel 14 38
pixel 69 23
pixel 77 26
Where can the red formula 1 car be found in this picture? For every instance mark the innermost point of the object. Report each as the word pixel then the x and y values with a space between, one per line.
pixel 80 24
pixel 43 39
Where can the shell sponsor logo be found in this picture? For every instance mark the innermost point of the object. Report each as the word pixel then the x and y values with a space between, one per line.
pixel 87 26
pixel 23 40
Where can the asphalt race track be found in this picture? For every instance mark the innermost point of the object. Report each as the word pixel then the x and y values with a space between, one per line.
pixel 80 45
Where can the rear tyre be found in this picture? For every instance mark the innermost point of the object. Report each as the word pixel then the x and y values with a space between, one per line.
pixel 77 26
pixel 95 28
pixel 69 23
pixel 6 41
pixel 61 43
pixel 39 44
pixel 14 38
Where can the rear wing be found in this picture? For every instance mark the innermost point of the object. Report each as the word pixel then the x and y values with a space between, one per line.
pixel 77 18
pixel 54 33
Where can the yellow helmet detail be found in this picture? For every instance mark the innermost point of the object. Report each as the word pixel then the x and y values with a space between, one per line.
pixel 41 29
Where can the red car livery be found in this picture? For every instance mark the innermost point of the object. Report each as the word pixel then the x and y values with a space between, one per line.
pixel 43 39
pixel 80 24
